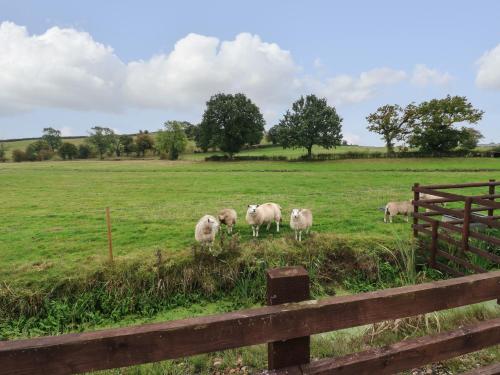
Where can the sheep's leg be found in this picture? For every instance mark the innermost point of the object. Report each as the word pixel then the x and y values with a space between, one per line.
pixel 296 237
pixel 278 226
pixel 268 226
pixel 407 218
pixel 253 230
pixel 257 231
pixel 390 219
pixel 300 236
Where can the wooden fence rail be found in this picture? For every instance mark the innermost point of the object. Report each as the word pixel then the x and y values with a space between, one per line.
pixel 112 348
pixel 445 224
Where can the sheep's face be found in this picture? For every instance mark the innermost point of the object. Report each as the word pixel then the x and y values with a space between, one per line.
pixel 295 213
pixel 252 209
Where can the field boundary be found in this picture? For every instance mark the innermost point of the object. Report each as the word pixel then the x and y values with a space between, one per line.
pixel 284 323
pixel 457 226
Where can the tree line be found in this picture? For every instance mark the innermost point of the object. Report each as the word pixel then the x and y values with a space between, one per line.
pixel 428 126
pixel 232 122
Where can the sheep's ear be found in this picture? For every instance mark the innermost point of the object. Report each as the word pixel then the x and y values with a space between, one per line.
pixel 209 220
pixel 258 205
pixel 248 206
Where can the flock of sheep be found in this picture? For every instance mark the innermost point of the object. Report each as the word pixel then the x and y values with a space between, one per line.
pixel 265 214
pixel 257 215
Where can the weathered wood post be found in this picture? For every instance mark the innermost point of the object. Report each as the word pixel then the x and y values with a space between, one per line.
pixel 288 284
pixel 416 197
pixel 434 243
pixel 491 191
pixel 466 224
pixel 110 240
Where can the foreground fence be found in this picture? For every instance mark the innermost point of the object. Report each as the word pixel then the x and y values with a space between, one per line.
pixel 457 226
pixel 285 327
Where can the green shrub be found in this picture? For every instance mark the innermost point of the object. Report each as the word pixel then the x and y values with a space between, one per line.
pixel 84 151
pixel 68 151
pixel 2 153
pixel 19 156
pixel 38 151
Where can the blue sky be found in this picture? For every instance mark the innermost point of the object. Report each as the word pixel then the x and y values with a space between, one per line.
pixel 133 65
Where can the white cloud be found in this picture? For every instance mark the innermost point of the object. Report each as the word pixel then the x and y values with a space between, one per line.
pixel 60 68
pixel 66 131
pixel 346 89
pixel 424 76
pixel 200 66
pixel 352 139
pixel 488 74
pixel 67 68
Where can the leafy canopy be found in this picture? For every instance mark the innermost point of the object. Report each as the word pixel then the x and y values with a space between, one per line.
pixel 143 142
pixel 68 151
pixel 172 140
pixel 229 123
pixel 52 137
pixel 311 121
pixel 102 139
pixel 391 122
pixel 433 123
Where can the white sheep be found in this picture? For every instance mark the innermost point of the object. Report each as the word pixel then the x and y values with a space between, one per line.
pixel 301 219
pixel 228 217
pixel 206 229
pixel 397 208
pixel 424 196
pixel 266 213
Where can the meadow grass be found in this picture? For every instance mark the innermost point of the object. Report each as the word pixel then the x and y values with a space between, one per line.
pixel 53 222
pixel 53 238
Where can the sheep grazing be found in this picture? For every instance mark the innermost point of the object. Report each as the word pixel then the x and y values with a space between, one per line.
pixel 266 213
pixel 206 229
pixel 301 220
pixel 228 217
pixel 397 208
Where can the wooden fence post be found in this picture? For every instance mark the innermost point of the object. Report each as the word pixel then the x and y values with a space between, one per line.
pixel 288 284
pixel 110 240
pixel 434 243
pixel 416 197
pixel 466 224
pixel 491 191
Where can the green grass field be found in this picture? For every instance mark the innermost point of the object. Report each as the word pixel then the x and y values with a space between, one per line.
pixel 54 222
pixel 53 245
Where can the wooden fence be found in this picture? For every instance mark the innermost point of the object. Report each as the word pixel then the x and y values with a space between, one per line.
pixel 285 325
pixel 457 226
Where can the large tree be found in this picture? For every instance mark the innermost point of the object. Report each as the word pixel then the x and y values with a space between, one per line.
pixel 469 138
pixel 391 122
pixel 127 143
pixel 311 121
pixel 102 139
pixel 433 123
pixel 171 141
pixel 143 142
pixel 273 135
pixel 52 137
pixel 229 123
